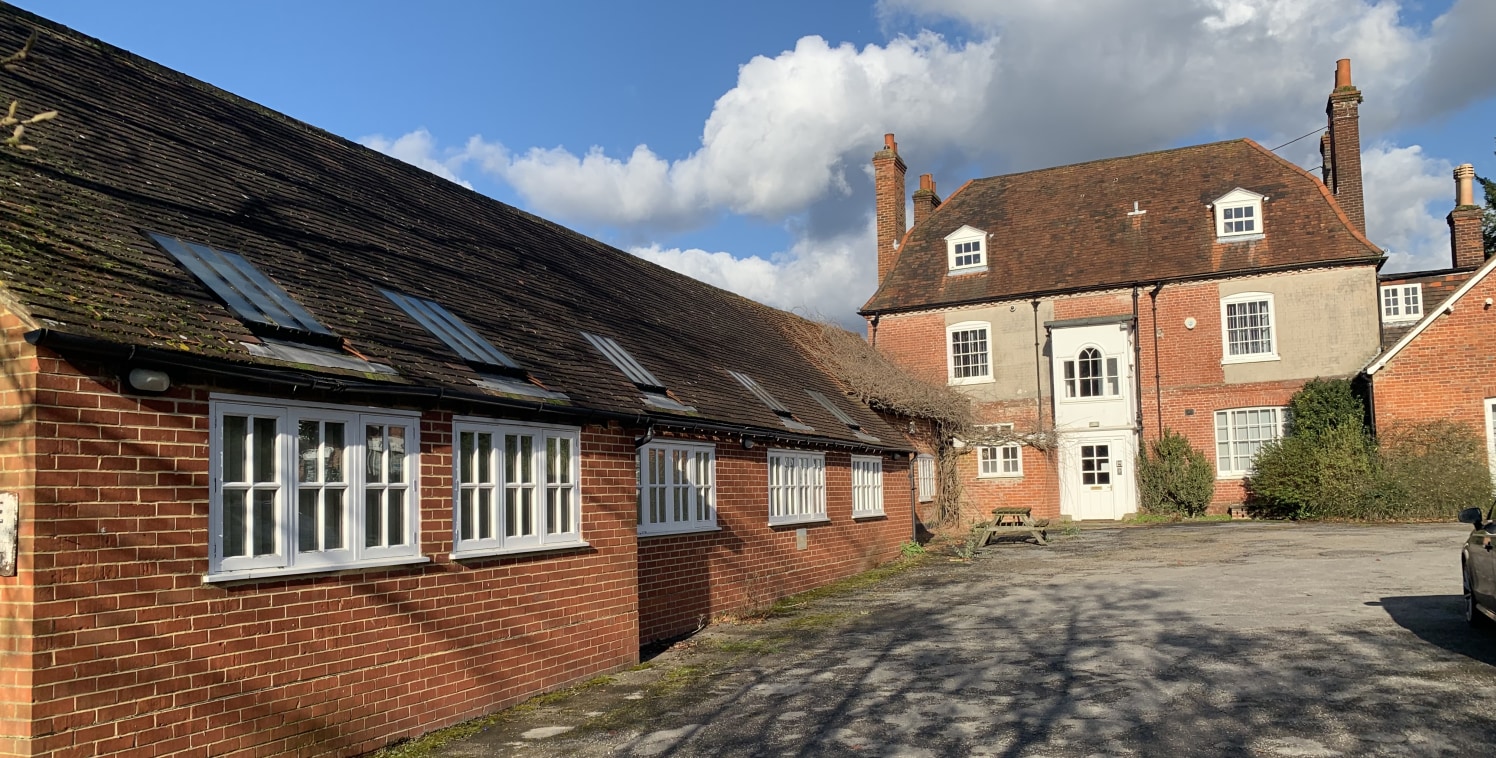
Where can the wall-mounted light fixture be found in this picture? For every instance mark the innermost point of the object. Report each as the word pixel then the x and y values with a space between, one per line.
pixel 149 380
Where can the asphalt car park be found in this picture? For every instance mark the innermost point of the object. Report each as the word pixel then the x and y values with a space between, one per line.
pixel 1259 639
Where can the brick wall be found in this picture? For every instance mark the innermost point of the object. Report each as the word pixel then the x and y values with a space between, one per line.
pixel 686 580
pixel 134 654
pixel 1446 371
pixel 17 449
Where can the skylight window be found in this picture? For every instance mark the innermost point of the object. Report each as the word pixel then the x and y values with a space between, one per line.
pixel 631 368
pixel 450 329
pixel 841 416
pixel 654 390
pixel 785 416
pixel 252 296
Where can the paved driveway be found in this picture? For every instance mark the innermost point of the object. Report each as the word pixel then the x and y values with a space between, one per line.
pixel 1221 639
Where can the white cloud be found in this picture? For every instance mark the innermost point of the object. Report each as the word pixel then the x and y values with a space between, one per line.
pixel 1407 197
pixel 831 281
pixel 418 148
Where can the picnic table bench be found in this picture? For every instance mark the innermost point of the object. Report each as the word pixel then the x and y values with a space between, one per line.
pixel 1015 522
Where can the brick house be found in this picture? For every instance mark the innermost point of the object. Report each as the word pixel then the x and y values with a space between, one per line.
pixel 1439 334
pixel 211 313
pixel 1193 289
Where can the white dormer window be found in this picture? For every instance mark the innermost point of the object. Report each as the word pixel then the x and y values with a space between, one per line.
pixel 967 250
pixel 1402 302
pixel 1238 215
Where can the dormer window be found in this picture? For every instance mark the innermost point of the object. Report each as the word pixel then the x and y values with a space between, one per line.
pixel 1238 215
pixel 967 250
pixel 1402 302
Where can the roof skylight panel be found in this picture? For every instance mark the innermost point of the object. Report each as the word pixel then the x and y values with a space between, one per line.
pixel 631 368
pixel 785 416
pixel 251 295
pixel 468 344
pixel 841 416
pixel 654 390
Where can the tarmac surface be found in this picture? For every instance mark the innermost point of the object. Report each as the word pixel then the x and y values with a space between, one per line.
pixel 1252 639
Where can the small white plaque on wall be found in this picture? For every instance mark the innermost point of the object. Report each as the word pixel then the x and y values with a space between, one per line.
pixel 10 528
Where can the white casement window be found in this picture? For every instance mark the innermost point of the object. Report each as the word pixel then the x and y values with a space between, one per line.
pixel 867 486
pixel 677 488
pixel 968 352
pixel 1238 215
pixel 301 487
pixel 1089 374
pixel 924 474
pixel 1402 302
pixel 1240 433
pixel 1000 460
pixel 797 486
pixel 514 487
pixel 966 250
pixel 1247 328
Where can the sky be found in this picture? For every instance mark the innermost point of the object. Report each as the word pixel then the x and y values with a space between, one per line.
pixel 732 141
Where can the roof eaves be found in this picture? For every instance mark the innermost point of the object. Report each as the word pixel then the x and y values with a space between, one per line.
pixel 1381 361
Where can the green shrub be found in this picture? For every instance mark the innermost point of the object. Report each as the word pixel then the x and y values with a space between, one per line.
pixel 1328 474
pixel 1175 479
pixel 1430 470
pixel 1323 404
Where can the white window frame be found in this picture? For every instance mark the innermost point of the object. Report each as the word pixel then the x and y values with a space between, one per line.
pixel 1227 209
pixel 797 487
pixel 924 476
pixel 959 240
pixel 1226 465
pixel 1489 404
pixel 1403 309
pixel 547 481
pixel 1000 461
pixel 1110 377
pixel 867 486
pixel 950 352
pixel 677 487
pixel 1242 298
pixel 283 486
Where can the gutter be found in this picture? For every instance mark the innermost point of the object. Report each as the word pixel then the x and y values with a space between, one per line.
pixel 64 342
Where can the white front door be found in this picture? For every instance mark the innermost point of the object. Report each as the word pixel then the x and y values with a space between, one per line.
pixel 1096 476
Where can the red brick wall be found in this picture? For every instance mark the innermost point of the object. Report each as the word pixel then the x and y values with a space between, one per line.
pixel 916 342
pixel 135 654
pixel 686 580
pixel 1445 372
pixel 17 449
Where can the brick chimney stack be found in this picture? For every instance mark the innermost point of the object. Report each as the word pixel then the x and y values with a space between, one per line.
pixel 925 199
pixel 1343 163
pixel 1465 243
pixel 888 184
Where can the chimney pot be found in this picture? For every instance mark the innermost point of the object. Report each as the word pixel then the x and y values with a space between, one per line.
pixel 1343 73
pixel 927 181
pixel 889 144
pixel 1464 185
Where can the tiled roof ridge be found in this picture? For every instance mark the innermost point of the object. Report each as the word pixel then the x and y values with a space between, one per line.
pixel 1111 159
pixel 1323 190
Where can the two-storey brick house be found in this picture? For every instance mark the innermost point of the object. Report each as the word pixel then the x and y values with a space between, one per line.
pixel 1193 289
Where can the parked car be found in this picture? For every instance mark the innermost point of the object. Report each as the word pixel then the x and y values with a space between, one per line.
pixel 1478 561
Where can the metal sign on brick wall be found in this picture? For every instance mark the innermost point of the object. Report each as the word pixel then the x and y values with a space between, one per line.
pixel 10 529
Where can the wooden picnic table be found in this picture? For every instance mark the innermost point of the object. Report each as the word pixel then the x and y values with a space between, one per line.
pixel 1015 522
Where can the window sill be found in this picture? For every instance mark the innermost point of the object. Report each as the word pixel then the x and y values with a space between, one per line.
pixel 868 515
pixel 1231 476
pixel 1402 320
pixel 278 573
pixel 802 521
pixel 967 270
pixel 679 532
pixel 1257 358
pixel 1000 476
pixel 1240 237
pixel 464 555
pixel 1092 399
pixel 970 380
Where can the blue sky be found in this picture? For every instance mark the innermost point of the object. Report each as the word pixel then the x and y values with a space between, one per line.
pixel 731 140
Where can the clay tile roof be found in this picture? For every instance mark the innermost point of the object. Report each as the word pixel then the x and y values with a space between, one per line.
pixel 140 148
pixel 1068 228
